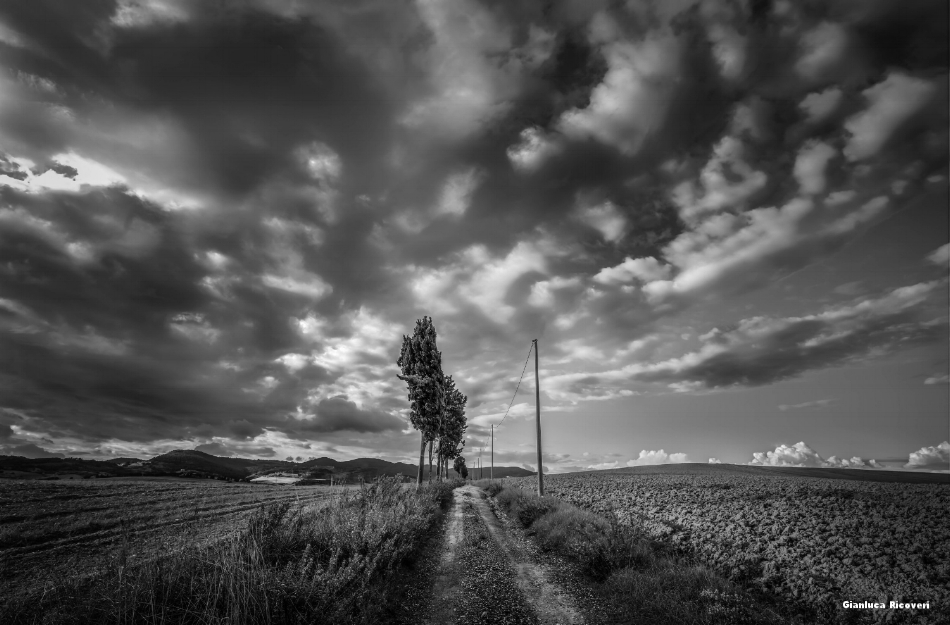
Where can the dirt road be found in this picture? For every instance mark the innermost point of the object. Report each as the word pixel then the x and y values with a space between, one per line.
pixel 487 574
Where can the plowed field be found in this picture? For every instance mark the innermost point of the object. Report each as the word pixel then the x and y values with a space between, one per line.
pixel 818 542
pixel 54 530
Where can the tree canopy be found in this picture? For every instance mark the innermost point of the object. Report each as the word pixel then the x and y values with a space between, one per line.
pixel 437 407
pixel 460 467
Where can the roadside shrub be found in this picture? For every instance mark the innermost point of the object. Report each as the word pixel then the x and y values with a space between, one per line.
pixel 524 507
pixel 599 545
pixel 507 497
pixel 494 488
pixel 529 509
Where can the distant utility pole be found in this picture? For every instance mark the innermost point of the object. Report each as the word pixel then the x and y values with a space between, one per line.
pixel 537 405
pixel 491 471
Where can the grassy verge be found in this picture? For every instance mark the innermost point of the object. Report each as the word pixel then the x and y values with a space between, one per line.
pixel 292 564
pixel 641 580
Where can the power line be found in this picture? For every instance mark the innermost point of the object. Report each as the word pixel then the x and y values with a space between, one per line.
pixel 525 368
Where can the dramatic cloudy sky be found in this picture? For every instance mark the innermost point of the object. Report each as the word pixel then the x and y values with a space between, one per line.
pixel 726 222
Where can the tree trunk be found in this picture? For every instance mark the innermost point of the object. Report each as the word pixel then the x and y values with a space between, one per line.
pixel 422 460
pixel 430 462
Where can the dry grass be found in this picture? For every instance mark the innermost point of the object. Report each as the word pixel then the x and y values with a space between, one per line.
pixel 291 563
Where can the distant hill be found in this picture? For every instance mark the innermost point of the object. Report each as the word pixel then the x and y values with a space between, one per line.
pixel 500 472
pixel 191 463
pixel 866 475
pixel 13 466
pixel 197 464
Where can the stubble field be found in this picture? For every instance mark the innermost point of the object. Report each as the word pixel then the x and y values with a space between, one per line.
pixel 816 542
pixel 52 531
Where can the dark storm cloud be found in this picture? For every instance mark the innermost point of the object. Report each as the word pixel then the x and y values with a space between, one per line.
pixel 112 325
pixel 245 85
pixel 337 413
pixel 11 169
pixel 63 170
pixel 298 184
pixel 215 449
pixel 761 350
pixel 29 450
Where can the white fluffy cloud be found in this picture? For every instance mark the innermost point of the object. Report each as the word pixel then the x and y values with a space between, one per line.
pixel 735 248
pixel 727 181
pixel 823 49
pixel 715 461
pixel 656 457
pixel 892 101
pixel 856 462
pixel 801 455
pixel 934 458
pixel 797 455
pixel 475 277
pixel 473 66
pixel 605 218
pixel 644 269
pixel 938 379
pixel 544 292
pixel 307 284
pixel 534 147
pixel 457 192
pixel 632 100
pixel 940 256
pixel 820 105
pixel 727 251
pixel 810 166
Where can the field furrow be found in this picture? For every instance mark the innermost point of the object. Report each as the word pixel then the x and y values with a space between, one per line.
pixel 72 529
pixel 817 542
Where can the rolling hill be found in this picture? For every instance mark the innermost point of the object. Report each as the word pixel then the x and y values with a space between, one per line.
pixel 191 463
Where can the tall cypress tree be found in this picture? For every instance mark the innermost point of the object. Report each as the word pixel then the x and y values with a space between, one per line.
pixel 452 427
pixel 421 364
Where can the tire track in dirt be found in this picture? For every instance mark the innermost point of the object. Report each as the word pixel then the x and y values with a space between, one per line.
pixel 446 581
pixel 487 576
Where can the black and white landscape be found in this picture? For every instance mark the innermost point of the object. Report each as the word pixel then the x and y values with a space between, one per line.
pixel 223 224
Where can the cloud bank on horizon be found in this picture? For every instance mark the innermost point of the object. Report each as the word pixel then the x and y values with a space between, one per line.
pixel 216 223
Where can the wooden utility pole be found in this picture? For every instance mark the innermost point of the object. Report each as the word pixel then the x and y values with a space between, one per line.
pixel 537 405
pixel 491 471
